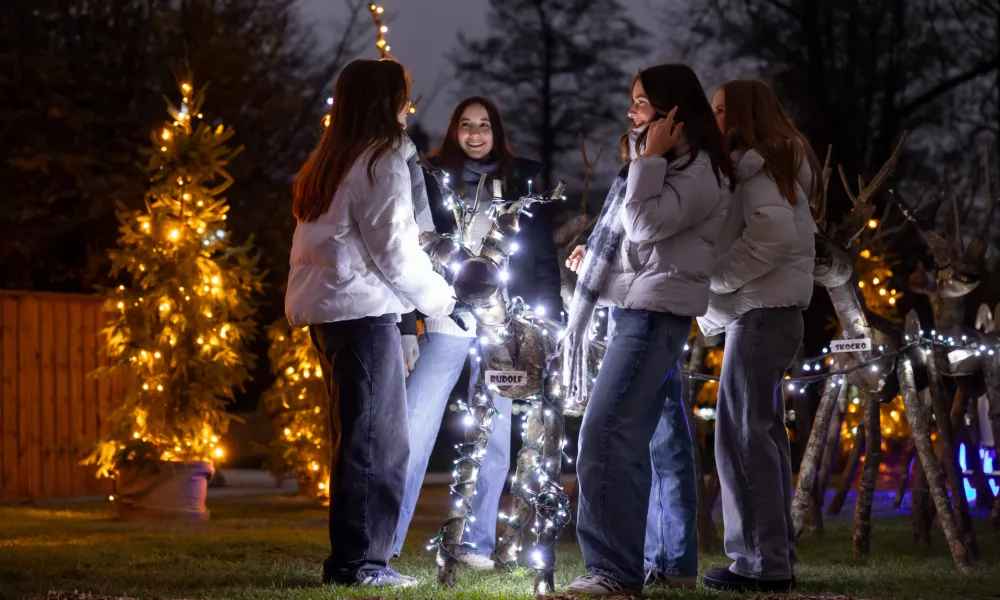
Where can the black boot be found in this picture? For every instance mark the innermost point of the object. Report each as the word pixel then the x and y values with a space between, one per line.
pixel 727 581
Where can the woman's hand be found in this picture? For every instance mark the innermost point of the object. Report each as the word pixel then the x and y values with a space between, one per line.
pixel 662 135
pixel 575 260
pixel 411 350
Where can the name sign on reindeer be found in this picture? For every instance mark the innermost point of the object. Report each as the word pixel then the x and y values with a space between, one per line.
pixel 506 378
pixel 858 345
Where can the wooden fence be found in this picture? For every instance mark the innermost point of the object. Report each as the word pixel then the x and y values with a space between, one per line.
pixel 51 411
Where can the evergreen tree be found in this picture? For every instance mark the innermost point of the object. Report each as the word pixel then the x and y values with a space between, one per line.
pixel 299 404
pixel 556 69
pixel 183 313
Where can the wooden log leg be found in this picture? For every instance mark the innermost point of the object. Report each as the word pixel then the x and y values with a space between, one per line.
pixel 949 453
pixel 511 536
pixel 847 479
pixel 806 488
pixel 471 452
pixel 925 452
pixel 921 509
pixel 551 504
pixel 869 476
pixel 904 478
pixel 831 450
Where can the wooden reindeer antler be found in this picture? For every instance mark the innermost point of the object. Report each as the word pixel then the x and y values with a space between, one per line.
pixel 856 222
pixel 819 206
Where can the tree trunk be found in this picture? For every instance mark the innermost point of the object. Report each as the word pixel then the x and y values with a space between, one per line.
pixel 925 451
pixel 832 449
pixel 949 454
pixel 869 476
pixel 904 477
pixel 806 489
pixel 847 479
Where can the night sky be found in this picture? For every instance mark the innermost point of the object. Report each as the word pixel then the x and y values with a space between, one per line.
pixel 423 32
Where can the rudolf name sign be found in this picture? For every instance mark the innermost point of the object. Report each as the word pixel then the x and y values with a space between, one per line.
pixel 859 345
pixel 506 378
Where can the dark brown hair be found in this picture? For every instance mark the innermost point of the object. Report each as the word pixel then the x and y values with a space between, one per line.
pixel 755 120
pixel 676 85
pixel 367 99
pixel 449 156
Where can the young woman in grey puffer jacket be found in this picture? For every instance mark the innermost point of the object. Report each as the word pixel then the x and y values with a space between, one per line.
pixel 761 283
pixel 650 257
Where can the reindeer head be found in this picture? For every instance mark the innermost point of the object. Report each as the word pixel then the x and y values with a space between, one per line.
pixel 837 246
pixel 958 268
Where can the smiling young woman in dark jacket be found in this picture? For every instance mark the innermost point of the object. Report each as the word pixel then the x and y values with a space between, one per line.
pixel 475 153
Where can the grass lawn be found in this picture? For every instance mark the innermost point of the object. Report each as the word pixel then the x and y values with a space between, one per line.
pixel 271 548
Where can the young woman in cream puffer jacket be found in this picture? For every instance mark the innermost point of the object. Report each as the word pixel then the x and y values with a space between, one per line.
pixel 766 247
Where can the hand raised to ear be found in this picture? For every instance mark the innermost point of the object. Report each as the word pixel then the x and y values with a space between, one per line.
pixel 662 135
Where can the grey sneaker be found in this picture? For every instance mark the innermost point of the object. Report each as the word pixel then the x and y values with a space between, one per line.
pixel 673 582
pixel 597 586
pixel 396 573
pixel 388 578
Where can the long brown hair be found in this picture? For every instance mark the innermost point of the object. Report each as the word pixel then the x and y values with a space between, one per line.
pixel 755 120
pixel 367 99
pixel 449 156
pixel 676 85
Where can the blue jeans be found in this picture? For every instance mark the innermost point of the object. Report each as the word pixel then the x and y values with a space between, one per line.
pixel 671 525
pixel 427 389
pixel 614 465
pixel 362 364
pixel 751 443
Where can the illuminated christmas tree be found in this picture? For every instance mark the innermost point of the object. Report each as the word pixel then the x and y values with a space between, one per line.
pixel 182 314
pixel 299 404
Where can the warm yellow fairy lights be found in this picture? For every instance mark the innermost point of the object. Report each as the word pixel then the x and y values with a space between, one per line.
pixel 383 46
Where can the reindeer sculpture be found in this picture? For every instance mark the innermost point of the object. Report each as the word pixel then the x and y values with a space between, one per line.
pixel 837 248
pixel 514 342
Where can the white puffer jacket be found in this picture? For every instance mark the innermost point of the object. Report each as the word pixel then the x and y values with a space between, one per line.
pixel 767 247
pixel 362 258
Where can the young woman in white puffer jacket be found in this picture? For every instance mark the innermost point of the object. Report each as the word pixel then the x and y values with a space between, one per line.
pixel 356 266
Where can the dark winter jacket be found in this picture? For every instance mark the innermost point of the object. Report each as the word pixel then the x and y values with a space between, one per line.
pixel 534 268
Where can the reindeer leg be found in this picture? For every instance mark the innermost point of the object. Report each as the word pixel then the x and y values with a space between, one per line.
pixel 953 473
pixel 869 476
pixel 904 478
pixel 806 492
pixel 847 478
pixel 449 541
pixel 831 451
pixel 925 450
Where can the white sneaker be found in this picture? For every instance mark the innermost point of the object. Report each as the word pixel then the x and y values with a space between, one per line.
pixel 388 578
pixel 475 561
pixel 596 585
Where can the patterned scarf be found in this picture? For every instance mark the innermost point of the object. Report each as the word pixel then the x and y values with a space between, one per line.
pixel 603 247
pixel 421 205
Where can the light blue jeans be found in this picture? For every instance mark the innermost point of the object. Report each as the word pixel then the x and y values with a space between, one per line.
pixel 626 410
pixel 671 524
pixel 427 389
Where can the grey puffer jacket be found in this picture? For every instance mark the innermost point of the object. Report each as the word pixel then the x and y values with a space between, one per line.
pixel 672 215
pixel 768 247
